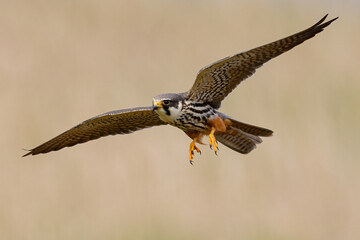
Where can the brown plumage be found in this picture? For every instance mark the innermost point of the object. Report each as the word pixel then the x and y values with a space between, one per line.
pixel 214 82
pixel 195 112
pixel 116 122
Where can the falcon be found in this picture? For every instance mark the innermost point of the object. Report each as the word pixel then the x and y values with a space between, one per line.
pixel 196 111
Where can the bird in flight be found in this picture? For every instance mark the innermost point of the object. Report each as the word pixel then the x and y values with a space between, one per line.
pixel 195 111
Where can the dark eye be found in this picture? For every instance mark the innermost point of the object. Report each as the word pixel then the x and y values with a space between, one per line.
pixel 166 102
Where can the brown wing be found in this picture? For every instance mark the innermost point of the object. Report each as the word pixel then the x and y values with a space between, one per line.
pixel 116 122
pixel 214 82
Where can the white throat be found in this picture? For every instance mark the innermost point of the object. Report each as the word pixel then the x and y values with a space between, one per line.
pixel 174 113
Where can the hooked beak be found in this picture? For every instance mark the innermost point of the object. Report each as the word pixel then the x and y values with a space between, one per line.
pixel 156 106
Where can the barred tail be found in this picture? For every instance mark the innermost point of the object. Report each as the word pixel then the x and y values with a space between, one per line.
pixel 238 140
pixel 241 137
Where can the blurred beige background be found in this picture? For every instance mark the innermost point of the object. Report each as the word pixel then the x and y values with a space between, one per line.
pixel 62 62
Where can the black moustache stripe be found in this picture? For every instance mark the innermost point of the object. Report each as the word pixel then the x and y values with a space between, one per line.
pixel 167 111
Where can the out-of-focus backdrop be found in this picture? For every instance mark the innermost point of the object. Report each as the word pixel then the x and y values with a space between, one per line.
pixel 62 62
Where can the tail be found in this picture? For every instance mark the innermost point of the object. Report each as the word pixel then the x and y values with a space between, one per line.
pixel 241 137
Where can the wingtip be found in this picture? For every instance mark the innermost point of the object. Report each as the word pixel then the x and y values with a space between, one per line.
pixel 27 154
pixel 321 25
pixel 333 19
pixel 321 21
pixel 324 17
pixel 324 25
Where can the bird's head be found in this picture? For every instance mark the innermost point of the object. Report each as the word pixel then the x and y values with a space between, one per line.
pixel 168 106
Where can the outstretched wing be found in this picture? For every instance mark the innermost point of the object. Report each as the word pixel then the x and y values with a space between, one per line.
pixel 214 82
pixel 116 122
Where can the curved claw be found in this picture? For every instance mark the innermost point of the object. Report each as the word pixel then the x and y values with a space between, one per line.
pixel 191 151
pixel 212 142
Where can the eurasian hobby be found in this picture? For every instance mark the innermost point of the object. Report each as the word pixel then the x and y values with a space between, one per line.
pixel 196 111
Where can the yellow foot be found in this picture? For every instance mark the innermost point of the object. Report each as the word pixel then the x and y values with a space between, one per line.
pixel 191 151
pixel 212 141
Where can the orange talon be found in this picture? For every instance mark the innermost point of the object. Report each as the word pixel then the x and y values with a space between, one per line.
pixel 191 151
pixel 212 141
